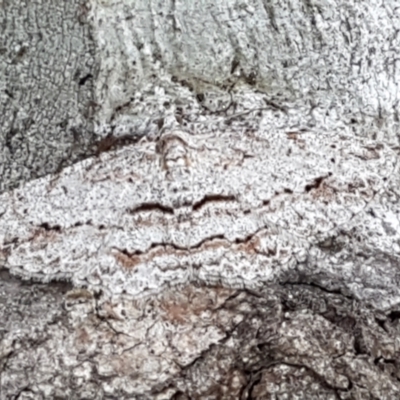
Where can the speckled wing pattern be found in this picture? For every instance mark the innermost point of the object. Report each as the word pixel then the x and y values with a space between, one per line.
pixel 238 210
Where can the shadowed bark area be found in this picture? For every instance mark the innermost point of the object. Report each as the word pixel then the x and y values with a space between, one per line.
pixel 243 244
pixel 294 340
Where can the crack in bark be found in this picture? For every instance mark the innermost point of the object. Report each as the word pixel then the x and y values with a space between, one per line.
pixel 318 286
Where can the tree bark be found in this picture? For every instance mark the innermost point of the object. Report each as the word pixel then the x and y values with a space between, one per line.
pixel 233 232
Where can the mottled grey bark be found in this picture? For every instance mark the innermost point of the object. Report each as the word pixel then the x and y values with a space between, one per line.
pixel 297 341
pixel 47 66
pixel 290 118
pixel 330 62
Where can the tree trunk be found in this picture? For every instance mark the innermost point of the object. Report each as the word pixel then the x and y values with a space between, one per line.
pixel 233 232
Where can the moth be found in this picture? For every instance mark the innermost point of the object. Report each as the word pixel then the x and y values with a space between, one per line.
pixel 240 210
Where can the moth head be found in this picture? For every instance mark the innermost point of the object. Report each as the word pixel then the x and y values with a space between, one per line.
pixel 172 148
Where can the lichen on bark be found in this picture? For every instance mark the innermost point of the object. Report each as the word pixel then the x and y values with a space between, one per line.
pixel 233 232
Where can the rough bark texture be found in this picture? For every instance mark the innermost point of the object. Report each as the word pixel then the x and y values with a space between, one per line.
pixel 47 67
pixel 246 246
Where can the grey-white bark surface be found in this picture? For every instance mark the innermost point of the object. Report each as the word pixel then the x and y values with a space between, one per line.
pixel 46 96
pixel 246 246
pixel 334 62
